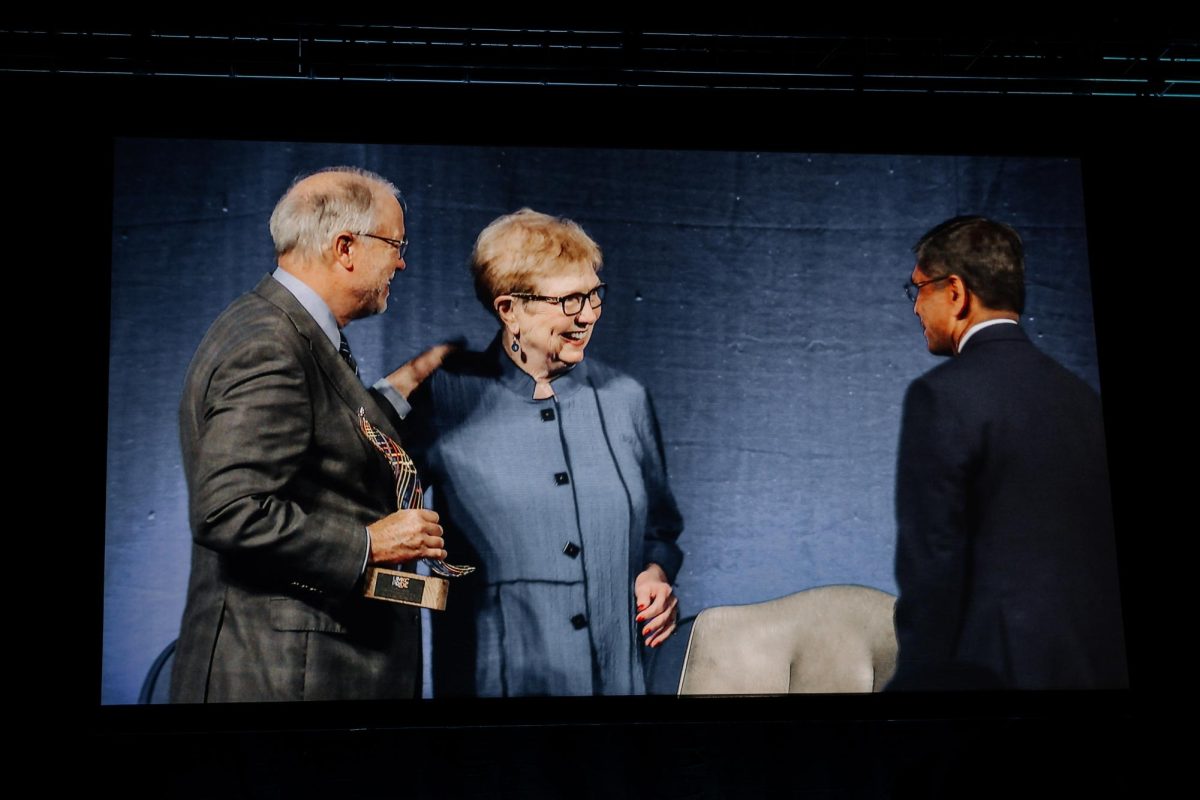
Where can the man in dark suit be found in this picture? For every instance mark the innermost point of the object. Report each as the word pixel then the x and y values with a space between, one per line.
pixel 1005 557
pixel 288 500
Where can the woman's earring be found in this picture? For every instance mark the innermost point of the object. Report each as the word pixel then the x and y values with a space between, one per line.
pixel 516 348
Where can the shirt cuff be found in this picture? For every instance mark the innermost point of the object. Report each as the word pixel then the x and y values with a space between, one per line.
pixel 366 555
pixel 392 396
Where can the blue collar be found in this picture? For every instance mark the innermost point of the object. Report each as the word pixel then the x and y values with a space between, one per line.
pixel 522 384
pixel 316 307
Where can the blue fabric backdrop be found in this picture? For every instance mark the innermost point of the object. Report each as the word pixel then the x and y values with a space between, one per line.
pixel 757 295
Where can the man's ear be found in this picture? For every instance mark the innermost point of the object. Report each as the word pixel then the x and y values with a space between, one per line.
pixel 960 296
pixel 343 249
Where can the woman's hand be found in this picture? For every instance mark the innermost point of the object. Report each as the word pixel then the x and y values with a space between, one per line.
pixel 657 605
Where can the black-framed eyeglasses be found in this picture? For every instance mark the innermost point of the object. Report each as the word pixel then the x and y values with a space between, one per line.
pixel 911 290
pixel 571 304
pixel 401 245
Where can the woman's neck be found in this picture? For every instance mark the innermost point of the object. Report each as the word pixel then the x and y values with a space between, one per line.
pixel 540 373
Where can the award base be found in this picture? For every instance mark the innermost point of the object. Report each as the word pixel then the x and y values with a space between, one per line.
pixel 409 588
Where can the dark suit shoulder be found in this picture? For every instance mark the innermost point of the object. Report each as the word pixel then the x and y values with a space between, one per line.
pixel 1002 359
pixel 250 337
pixel 252 321
pixel 261 313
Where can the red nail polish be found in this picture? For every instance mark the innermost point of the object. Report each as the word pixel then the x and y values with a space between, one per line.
pixel 641 606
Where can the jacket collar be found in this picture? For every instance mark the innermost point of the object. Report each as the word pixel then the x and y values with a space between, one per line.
pixel 995 333
pixel 521 383
pixel 337 371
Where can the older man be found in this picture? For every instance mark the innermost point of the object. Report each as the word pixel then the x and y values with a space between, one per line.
pixel 289 501
pixel 1005 556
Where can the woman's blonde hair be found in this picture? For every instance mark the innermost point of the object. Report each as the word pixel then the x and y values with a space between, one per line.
pixel 516 249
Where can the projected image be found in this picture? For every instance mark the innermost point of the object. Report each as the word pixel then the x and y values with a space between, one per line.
pixel 680 437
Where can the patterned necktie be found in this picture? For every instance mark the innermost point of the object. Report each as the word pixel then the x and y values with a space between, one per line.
pixel 344 352
pixel 408 485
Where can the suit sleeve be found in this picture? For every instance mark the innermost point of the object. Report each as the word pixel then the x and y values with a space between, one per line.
pixel 663 520
pixel 393 404
pixel 932 546
pixel 254 437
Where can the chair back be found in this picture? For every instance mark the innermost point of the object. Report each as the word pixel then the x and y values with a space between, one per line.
pixel 828 639
pixel 156 688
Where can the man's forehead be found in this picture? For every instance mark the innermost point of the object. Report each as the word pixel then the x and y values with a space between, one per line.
pixel 394 214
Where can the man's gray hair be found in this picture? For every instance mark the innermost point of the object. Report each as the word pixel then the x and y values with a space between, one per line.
pixel 306 219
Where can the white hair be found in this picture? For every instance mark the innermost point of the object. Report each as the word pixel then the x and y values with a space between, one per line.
pixel 306 218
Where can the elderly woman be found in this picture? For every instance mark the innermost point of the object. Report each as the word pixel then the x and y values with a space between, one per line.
pixel 548 473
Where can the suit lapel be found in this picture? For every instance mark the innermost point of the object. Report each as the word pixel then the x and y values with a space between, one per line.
pixel 337 372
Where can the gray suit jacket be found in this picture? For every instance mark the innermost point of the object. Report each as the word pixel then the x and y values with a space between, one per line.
pixel 281 483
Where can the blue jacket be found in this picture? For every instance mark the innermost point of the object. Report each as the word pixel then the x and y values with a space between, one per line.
pixel 560 503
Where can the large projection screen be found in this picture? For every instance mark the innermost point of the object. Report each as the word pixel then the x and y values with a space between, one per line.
pixel 757 295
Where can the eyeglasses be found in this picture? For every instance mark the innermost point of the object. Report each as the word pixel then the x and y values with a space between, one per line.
pixel 401 245
pixel 571 304
pixel 912 290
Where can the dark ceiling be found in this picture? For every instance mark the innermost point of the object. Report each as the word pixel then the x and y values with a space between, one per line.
pixel 1113 58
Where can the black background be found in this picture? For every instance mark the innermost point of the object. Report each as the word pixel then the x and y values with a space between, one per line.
pixel 1139 174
